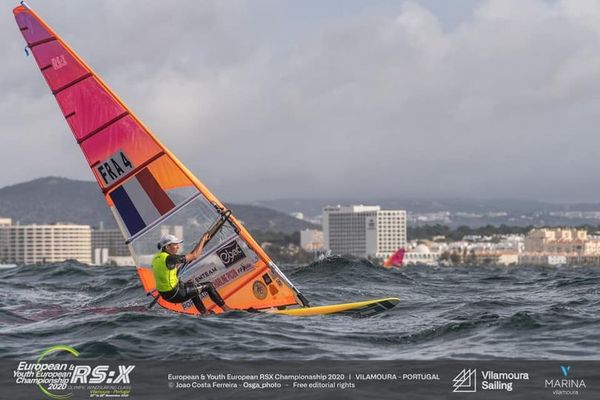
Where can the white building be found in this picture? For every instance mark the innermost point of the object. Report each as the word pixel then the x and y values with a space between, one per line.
pixel 312 240
pixel 122 261
pixel 363 231
pixel 108 243
pixel 542 259
pixel 559 241
pixel 99 256
pixel 297 215
pixel 421 254
pixel 31 244
pixel 512 243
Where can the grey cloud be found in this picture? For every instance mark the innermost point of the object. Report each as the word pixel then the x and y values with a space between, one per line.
pixel 372 103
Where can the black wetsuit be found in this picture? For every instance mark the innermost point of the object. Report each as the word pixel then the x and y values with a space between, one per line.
pixel 188 291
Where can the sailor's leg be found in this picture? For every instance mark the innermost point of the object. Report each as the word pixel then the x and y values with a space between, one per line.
pixel 214 295
pixel 194 294
pixel 199 304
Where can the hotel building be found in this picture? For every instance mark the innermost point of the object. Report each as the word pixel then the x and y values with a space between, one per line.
pixel 32 244
pixel 363 231
pixel 108 245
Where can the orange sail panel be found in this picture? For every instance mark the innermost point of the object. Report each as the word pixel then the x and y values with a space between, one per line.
pixel 147 189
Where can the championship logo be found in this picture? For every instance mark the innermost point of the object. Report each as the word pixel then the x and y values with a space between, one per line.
pixel 231 254
pixel 58 379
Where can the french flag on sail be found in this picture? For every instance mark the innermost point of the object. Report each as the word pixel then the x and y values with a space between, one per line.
pixel 141 201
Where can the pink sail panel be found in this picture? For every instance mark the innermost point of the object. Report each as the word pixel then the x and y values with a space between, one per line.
pixel 58 66
pixel 31 28
pixel 396 259
pixel 88 107
pixel 125 137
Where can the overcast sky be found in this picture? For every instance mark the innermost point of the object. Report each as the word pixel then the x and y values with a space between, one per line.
pixel 275 99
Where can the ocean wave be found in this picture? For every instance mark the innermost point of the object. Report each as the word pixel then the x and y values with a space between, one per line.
pixel 465 312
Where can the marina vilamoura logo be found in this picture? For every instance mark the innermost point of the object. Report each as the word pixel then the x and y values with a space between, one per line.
pixel 565 386
pixel 465 381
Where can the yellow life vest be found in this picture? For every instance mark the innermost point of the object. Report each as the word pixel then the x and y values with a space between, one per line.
pixel 165 278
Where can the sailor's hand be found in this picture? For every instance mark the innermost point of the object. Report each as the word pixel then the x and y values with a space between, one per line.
pixel 197 249
pixel 204 238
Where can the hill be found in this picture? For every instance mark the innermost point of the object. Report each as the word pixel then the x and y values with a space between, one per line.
pixel 54 199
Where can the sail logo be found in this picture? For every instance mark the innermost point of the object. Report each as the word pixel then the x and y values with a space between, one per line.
pixel 231 254
pixel 260 290
pixel 114 167
pixel 58 62
pixel 465 381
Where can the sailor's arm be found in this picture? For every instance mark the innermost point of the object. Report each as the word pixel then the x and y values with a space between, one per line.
pixel 191 256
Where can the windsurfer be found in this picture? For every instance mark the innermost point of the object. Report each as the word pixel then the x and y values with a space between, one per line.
pixel 165 265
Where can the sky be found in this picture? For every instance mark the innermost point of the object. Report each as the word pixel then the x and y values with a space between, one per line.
pixel 278 99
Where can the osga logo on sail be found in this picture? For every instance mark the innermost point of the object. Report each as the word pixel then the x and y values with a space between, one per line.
pixel 231 254
pixel 222 265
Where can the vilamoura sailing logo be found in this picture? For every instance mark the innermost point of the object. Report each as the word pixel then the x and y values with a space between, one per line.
pixel 231 254
pixel 465 381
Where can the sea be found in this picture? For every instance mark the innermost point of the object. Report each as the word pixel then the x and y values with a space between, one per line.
pixel 467 312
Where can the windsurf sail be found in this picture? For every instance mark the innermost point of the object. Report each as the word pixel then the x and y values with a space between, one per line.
pixel 395 260
pixel 148 190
